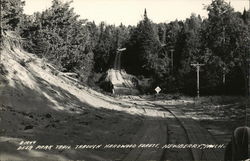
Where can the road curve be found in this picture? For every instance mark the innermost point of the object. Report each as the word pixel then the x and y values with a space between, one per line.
pixel 172 127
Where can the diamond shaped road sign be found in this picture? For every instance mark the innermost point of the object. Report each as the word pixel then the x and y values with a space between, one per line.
pixel 157 89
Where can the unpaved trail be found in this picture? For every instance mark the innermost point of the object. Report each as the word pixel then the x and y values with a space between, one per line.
pixel 197 135
pixel 171 126
pixel 150 137
pixel 122 82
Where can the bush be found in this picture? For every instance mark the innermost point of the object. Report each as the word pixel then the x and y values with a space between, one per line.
pixel 107 86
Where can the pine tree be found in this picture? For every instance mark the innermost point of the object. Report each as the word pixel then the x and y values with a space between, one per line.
pixel 246 16
pixel 143 48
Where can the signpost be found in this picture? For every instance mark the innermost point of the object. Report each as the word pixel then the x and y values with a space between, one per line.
pixel 157 89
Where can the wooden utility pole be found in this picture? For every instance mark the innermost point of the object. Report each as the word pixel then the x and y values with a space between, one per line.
pixel 224 75
pixel 197 65
pixel 172 59
pixel 248 92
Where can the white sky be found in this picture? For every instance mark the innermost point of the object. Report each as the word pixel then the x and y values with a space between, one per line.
pixel 130 12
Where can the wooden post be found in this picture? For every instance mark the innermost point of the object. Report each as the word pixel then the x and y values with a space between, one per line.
pixel 248 92
pixel 224 75
pixel 172 59
pixel 198 77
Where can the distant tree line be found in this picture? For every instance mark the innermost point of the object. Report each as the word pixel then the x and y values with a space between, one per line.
pixel 221 42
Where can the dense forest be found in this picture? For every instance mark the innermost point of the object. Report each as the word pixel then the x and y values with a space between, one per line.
pixel 221 42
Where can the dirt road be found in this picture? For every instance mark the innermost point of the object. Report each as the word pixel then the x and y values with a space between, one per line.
pixel 122 82
pixel 170 126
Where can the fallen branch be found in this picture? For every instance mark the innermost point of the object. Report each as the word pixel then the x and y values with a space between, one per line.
pixel 70 78
pixel 68 74
pixel 52 67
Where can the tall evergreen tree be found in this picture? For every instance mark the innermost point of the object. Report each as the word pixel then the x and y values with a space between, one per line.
pixel 106 48
pixel 246 16
pixel 143 48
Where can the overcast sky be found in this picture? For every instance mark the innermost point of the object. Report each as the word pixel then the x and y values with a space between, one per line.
pixel 130 12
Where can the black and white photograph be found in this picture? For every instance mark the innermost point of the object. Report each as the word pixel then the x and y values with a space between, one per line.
pixel 125 80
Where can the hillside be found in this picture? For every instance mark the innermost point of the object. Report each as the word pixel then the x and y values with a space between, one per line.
pixel 38 103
